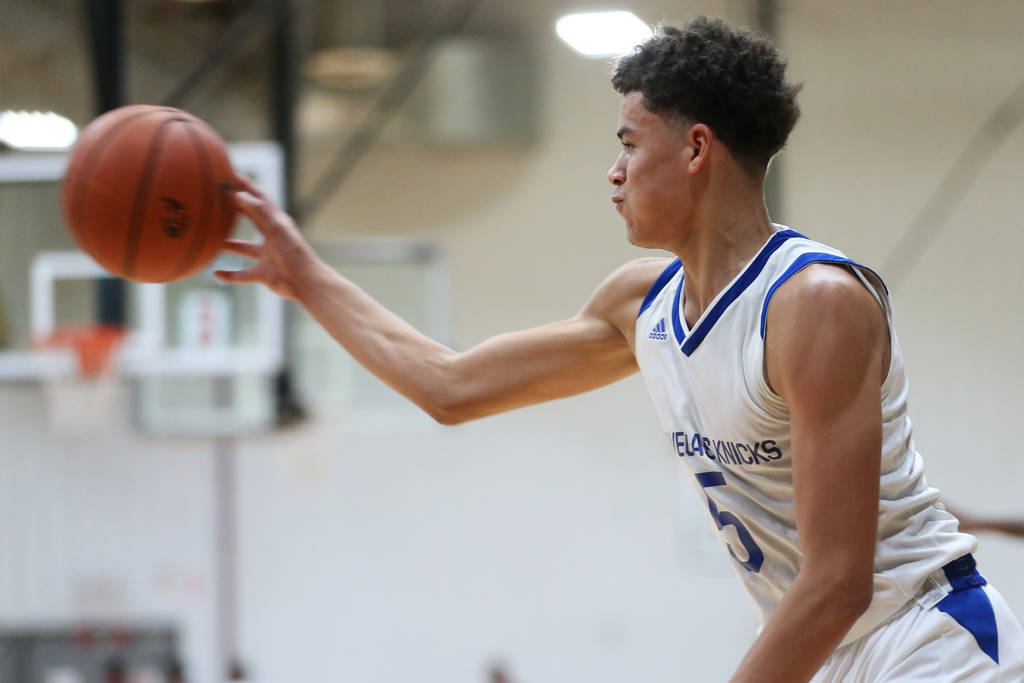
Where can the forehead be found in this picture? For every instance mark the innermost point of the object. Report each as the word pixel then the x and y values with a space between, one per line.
pixel 635 116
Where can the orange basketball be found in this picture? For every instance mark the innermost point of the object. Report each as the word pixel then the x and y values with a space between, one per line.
pixel 145 193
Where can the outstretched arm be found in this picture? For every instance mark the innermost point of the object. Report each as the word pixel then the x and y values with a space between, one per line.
pixel 971 522
pixel 826 349
pixel 586 351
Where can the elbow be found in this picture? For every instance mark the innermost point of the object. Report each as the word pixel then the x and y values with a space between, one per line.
pixel 448 401
pixel 843 594
pixel 445 416
pixel 445 410
pixel 453 409
pixel 851 595
pixel 860 599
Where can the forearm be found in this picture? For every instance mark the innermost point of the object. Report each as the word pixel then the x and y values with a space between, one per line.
pixel 810 622
pixel 397 353
pixel 509 371
pixel 1012 527
pixel 971 523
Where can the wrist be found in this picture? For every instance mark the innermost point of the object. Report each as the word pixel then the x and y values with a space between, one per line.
pixel 309 274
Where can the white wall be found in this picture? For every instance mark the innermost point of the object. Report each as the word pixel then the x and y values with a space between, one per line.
pixel 551 537
pixel 106 527
pixel 894 92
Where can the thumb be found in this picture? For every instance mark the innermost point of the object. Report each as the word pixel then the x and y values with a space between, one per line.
pixel 238 277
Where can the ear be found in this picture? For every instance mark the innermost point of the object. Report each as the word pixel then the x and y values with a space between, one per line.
pixel 699 139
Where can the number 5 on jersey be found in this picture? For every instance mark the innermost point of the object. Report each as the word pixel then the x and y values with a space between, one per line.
pixel 724 518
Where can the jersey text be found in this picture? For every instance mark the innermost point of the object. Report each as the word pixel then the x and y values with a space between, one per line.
pixel 725 452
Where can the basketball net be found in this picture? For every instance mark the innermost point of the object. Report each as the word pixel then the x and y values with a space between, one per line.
pixel 86 401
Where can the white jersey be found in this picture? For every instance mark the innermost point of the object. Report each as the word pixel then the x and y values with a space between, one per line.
pixel 732 432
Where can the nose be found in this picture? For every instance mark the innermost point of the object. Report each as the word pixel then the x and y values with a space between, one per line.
pixel 617 173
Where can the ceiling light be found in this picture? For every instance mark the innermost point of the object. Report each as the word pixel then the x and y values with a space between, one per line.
pixel 602 34
pixel 36 130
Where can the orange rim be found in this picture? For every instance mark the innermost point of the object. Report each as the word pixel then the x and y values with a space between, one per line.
pixel 94 346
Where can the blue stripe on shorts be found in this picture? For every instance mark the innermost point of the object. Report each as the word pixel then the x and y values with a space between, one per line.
pixel 969 605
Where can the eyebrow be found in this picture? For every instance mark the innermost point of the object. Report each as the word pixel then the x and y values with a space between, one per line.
pixel 625 130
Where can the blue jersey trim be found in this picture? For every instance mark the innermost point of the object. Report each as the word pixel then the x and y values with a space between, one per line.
pixel 690 344
pixel 677 326
pixel 706 479
pixel 659 285
pixel 799 264
pixel 970 607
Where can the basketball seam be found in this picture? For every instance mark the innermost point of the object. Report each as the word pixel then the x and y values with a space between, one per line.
pixel 205 169
pixel 77 194
pixel 131 250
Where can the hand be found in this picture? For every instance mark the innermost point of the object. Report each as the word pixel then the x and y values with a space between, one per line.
pixel 281 257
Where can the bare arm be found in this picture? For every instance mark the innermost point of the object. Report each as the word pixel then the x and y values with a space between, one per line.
pixel 827 346
pixel 971 523
pixel 589 350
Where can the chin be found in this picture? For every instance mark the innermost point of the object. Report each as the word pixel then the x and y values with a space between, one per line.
pixel 633 238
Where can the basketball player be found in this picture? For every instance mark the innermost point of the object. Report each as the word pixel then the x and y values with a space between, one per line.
pixel 772 363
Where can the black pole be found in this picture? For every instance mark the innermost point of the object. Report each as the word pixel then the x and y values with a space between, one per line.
pixel 283 79
pixel 106 41
pixel 283 95
pixel 105 34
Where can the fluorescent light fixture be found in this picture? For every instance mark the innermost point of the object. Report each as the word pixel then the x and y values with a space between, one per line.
pixel 602 34
pixel 36 130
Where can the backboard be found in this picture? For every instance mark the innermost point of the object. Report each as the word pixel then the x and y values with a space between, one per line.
pixel 411 278
pixel 203 355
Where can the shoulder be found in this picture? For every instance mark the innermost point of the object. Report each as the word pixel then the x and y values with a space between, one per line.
pixel 821 319
pixel 630 283
pixel 640 273
pixel 619 297
pixel 822 289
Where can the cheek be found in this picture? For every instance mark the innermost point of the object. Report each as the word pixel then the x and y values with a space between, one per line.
pixel 653 193
pixel 638 175
pixel 668 187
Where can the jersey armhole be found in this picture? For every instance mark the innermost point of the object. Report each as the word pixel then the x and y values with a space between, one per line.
pixel 659 284
pixel 807 259
pixel 868 278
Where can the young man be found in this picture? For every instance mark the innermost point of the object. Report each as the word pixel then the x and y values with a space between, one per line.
pixel 771 361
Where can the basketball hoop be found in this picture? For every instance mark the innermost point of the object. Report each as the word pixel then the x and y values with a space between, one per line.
pixel 94 346
pixel 84 401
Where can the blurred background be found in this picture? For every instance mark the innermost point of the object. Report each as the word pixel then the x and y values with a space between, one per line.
pixel 246 504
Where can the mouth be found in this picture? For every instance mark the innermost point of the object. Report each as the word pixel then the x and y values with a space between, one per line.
pixel 618 201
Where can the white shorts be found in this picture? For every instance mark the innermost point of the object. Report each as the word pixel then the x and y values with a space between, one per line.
pixel 965 633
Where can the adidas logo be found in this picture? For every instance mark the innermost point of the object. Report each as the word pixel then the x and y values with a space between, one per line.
pixel 659 332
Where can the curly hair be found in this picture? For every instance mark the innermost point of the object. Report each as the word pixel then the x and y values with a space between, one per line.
pixel 708 72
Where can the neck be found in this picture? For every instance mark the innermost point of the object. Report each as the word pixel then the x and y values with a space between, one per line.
pixel 725 233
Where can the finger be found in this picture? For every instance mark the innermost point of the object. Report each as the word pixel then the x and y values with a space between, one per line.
pixel 243 248
pixel 243 183
pixel 268 216
pixel 257 210
pixel 238 277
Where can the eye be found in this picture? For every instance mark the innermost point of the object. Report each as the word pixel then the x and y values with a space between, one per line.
pixel 627 145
